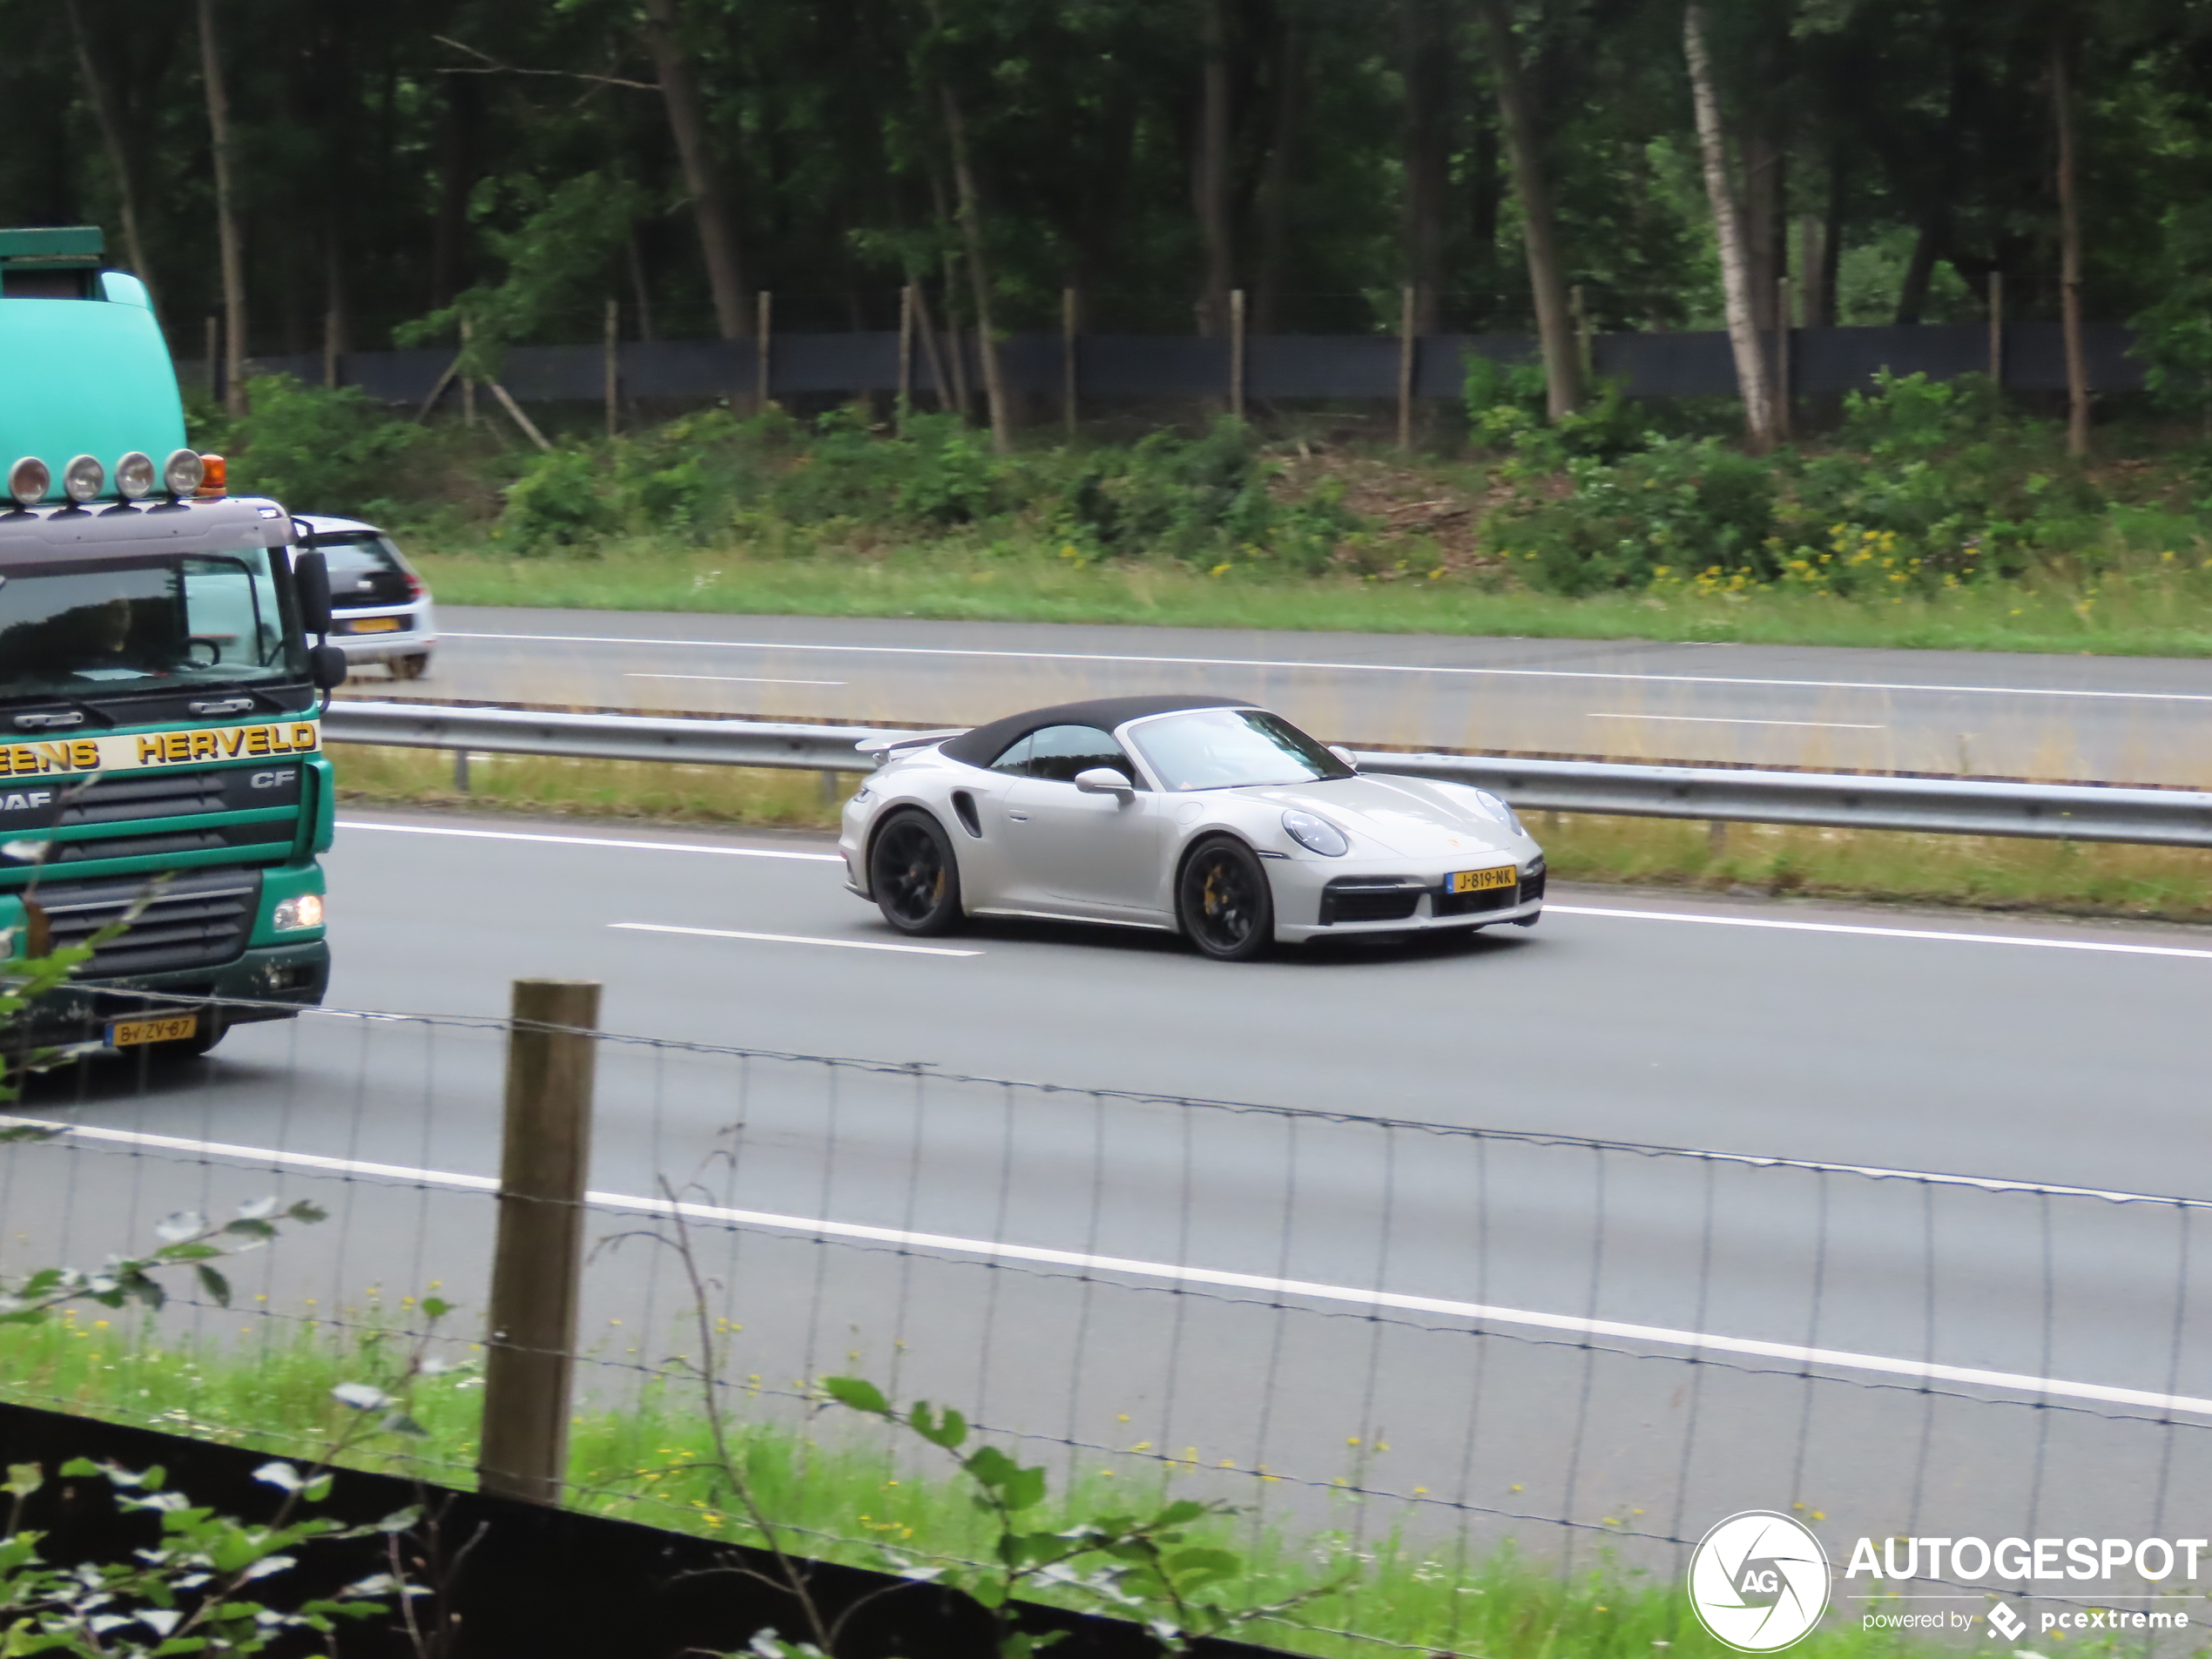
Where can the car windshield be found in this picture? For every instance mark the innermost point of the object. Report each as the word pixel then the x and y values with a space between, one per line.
pixel 1229 748
pixel 89 629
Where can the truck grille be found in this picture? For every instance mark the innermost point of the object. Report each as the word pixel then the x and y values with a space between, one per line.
pixel 129 798
pixel 198 919
pixel 201 840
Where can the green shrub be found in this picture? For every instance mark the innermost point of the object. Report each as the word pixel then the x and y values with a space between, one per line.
pixel 562 500
pixel 321 450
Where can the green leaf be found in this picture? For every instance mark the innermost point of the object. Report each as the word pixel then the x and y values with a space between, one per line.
pixel 80 1468
pixel 250 1227
pixel 856 1393
pixel 24 1479
pixel 307 1212
pixel 217 1287
pixel 948 1428
pixel 435 1308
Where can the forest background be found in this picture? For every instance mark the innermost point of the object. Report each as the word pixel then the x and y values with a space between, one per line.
pixel 293 177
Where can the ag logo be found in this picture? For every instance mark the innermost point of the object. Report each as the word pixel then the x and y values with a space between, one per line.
pixel 1759 1581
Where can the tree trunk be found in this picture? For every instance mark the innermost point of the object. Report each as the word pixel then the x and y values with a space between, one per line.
pixel 1743 328
pixel 2077 368
pixel 1209 170
pixel 979 277
pixel 101 96
pixel 1547 282
pixel 457 177
pixel 227 225
pixel 1920 270
pixel 702 178
pixel 1832 243
pixel 1280 178
pixel 1429 81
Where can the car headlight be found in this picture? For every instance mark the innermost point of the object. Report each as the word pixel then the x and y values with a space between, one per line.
pixel 1316 834
pixel 297 914
pixel 1500 811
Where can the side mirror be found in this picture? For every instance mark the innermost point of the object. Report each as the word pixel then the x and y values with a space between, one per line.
pixel 1345 755
pixel 326 667
pixel 311 578
pixel 1104 780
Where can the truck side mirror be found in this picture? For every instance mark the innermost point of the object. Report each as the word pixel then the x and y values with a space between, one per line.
pixel 311 578
pixel 326 667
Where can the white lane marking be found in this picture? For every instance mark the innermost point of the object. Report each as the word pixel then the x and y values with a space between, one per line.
pixel 591 841
pixel 1696 1341
pixel 1724 719
pixel 1879 932
pixel 792 939
pixel 1353 668
pixel 731 679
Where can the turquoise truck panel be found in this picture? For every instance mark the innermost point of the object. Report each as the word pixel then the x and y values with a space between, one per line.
pixel 85 377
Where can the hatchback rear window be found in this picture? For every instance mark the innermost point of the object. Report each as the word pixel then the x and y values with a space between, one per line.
pixel 365 571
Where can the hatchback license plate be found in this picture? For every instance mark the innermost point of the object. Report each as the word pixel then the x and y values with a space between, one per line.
pixel 169 1027
pixel 1481 880
pixel 373 626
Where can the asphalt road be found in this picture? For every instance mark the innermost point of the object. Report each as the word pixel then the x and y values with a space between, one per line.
pixel 2115 719
pixel 2026 1050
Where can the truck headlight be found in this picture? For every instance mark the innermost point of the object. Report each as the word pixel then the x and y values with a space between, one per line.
pixel 181 473
pixel 29 480
pixel 297 914
pixel 83 479
pixel 134 476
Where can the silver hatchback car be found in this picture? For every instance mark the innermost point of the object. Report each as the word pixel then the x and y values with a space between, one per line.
pixel 380 611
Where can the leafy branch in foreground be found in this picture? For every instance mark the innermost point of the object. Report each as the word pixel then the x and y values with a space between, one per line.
pixel 188 1240
pixel 1151 1566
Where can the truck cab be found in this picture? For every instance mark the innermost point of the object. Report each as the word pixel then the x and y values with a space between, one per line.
pixel 161 761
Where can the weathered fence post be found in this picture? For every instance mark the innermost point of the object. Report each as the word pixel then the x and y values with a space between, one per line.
pixel 1782 356
pixel 905 355
pixel 612 364
pixel 537 1263
pixel 1406 368
pixel 1068 360
pixel 1237 352
pixel 1997 329
pixel 767 314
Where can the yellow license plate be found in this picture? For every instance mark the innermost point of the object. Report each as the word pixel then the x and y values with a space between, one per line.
pixel 170 1028
pixel 373 626
pixel 1481 880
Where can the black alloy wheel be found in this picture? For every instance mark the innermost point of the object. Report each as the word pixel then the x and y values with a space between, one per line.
pixel 1224 903
pixel 912 874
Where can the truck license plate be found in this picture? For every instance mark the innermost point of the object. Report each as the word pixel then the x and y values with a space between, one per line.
pixel 168 1027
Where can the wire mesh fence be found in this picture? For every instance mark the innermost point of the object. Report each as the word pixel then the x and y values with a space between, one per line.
pixel 1392 1335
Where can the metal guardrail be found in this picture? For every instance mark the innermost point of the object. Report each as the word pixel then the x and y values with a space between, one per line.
pixel 1940 806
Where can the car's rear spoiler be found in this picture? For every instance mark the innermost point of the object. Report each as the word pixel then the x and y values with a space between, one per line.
pixel 891 742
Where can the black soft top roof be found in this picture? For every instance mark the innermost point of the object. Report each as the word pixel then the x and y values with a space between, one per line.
pixel 985 744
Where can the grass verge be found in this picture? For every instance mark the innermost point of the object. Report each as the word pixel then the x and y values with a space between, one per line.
pixel 647 1462
pixel 1987 873
pixel 2143 609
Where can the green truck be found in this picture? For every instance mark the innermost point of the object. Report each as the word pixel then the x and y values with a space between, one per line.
pixel 161 687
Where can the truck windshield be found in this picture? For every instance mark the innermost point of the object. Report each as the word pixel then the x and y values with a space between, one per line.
pixel 112 627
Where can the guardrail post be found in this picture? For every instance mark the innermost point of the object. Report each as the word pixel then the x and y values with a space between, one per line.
pixel 538 1261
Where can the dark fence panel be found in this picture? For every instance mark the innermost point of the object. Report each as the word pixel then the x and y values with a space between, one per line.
pixel 1822 361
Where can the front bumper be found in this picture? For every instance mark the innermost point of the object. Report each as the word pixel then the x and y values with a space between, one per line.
pixel 268 982
pixel 1314 901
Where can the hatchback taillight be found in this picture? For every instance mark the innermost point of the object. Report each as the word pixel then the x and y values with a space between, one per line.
pixel 414 585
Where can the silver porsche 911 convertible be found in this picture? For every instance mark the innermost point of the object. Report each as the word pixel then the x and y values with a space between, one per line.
pixel 1205 816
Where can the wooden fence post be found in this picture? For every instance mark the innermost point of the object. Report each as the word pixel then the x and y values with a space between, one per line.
pixel 538 1260
pixel 767 312
pixel 906 354
pixel 1996 328
pixel 1237 352
pixel 330 348
pixel 214 363
pixel 467 385
pixel 1406 368
pixel 1068 360
pixel 1782 357
pixel 613 364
